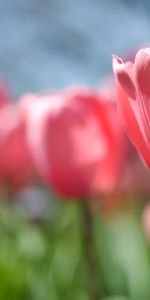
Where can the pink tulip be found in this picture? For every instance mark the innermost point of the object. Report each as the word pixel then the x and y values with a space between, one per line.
pixel 16 164
pixel 133 85
pixel 133 182
pixel 75 140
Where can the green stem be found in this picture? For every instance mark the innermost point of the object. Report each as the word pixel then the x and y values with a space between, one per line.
pixel 89 251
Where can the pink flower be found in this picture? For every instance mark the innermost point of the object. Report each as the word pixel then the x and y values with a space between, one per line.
pixel 16 164
pixel 74 140
pixel 133 84
pixel 134 178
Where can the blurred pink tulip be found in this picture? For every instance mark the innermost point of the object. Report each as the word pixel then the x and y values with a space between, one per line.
pixel 16 165
pixel 75 140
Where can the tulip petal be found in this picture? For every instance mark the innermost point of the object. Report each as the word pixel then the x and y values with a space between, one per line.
pixel 129 117
pixel 142 71
pixel 123 77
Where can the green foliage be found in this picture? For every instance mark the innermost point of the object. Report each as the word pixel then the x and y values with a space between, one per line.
pixel 124 257
pixel 45 260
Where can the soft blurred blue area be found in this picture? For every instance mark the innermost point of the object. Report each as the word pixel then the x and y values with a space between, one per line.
pixel 52 43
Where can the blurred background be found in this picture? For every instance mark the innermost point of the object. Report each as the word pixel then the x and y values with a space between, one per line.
pixel 51 44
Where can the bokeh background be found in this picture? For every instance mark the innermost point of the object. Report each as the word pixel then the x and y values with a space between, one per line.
pixel 48 44
pixel 53 43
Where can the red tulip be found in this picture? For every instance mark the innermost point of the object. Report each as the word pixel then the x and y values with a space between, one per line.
pixel 16 165
pixel 74 140
pixel 133 99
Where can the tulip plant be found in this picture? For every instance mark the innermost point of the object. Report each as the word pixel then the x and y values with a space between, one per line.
pixel 87 237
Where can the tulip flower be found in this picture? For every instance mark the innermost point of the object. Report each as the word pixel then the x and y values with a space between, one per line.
pixel 133 86
pixel 16 165
pixel 74 139
pixel 133 182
